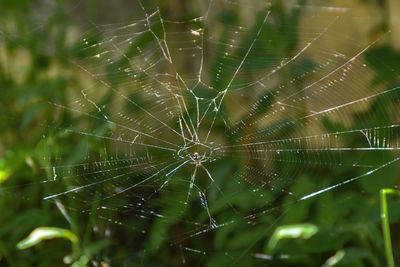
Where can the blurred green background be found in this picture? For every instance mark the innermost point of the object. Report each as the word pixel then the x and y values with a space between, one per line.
pixel 38 40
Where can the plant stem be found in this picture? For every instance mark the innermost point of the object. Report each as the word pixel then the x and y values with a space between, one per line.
pixel 385 224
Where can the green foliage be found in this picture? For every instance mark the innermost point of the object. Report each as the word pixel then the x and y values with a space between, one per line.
pixel 340 227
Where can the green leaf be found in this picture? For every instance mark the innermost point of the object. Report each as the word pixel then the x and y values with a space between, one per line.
pixel 303 231
pixel 81 262
pixel 384 178
pixel 332 261
pixel 42 233
pixel 385 61
pixel 4 173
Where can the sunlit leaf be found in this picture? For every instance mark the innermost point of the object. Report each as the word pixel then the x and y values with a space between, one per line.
pixel 294 231
pixel 332 261
pixel 42 233
pixel 4 174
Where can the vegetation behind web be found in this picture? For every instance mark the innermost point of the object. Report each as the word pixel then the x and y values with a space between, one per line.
pixel 37 44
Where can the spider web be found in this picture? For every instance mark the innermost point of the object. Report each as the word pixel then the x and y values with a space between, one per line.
pixel 204 124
